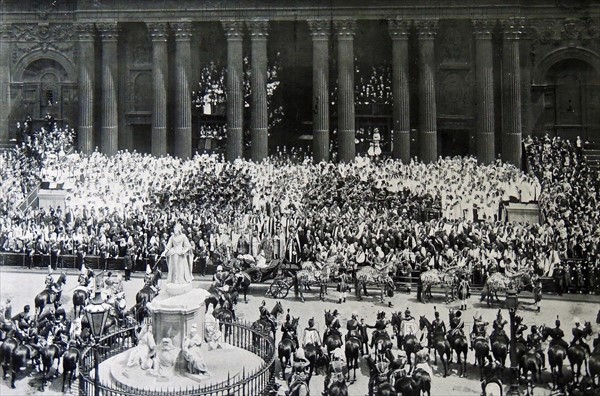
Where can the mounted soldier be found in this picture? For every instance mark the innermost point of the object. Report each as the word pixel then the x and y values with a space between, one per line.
pixel 498 326
pixel 266 315
pixel 457 325
pixel 534 343
pixel 311 335
pixel 438 327
pixel 380 328
pixel 479 327
pixel 287 328
pixel 578 337
pixel 353 328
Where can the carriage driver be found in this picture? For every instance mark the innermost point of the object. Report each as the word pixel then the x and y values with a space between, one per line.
pixel 498 326
pixel 311 335
pixel 478 328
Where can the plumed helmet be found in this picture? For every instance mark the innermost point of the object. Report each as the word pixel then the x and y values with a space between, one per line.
pixel 458 314
pixel 311 322
pixel 437 314
pixel 407 312
pixel 499 314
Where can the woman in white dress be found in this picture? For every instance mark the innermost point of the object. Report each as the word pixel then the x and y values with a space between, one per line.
pixel 179 257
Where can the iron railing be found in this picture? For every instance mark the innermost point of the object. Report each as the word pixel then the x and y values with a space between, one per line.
pixel 240 335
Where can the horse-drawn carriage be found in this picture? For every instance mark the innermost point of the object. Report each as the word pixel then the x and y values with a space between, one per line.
pixel 303 276
pixel 444 280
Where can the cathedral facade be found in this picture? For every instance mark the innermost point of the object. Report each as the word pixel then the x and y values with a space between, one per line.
pixel 434 78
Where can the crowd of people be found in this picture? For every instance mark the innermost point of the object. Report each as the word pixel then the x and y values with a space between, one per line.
pixel 369 212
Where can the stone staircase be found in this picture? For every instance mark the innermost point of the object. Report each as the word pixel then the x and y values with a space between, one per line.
pixel 592 152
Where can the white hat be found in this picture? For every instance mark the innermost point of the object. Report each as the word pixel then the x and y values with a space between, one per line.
pixel 219 268
pixel 148 269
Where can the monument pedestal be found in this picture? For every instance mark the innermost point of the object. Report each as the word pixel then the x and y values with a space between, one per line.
pixel 174 311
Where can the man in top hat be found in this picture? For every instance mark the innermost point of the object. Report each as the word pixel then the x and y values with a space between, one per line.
pixel 478 328
pixel 578 338
pixel 362 327
pixel 498 326
pixel 311 334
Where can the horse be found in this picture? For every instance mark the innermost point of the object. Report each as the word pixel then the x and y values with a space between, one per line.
pixel 243 281
pixel 438 342
pixel 498 282
pixel 557 353
pixel 20 356
pixel 49 354
pixel 80 298
pixel 577 353
pixel 447 280
pixel 6 350
pixel 459 344
pixel 500 346
pixel 49 295
pixel 594 364
pixel 353 348
pixel 226 316
pixel 287 346
pixel 266 326
pixel 423 381
pixel 315 356
pixel 482 351
pixel 70 359
pixel 530 361
pixel 411 345
pixel 150 289
pixel 331 341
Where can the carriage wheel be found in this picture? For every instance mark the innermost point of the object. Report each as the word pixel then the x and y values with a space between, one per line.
pixel 279 289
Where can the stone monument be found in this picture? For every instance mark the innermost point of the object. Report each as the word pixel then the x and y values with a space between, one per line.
pixel 179 306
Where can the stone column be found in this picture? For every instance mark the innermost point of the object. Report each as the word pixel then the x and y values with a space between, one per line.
pixel 5 83
pixel 484 92
pixel 259 121
pixel 426 31
pixel 511 92
pixel 320 30
pixel 159 34
pixel 85 133
pixel 399 32
pixel 344 30
pixel 235 90
pixel 183 93
pixel 109 135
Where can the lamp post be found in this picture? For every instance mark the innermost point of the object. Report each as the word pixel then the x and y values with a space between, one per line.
pixel 96 313
pixel 512 302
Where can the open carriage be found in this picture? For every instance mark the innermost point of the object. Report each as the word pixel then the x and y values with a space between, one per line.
pixel 304 275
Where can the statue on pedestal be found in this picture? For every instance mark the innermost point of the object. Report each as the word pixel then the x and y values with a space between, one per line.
pixel 192 353
pixel 166 357
pixel 179 255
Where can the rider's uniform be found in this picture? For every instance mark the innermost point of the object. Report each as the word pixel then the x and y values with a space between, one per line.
pixel 311 336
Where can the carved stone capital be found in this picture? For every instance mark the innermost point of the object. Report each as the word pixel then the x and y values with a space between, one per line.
pixel 182 31
pixel 158 31
pixel 483 28
pixel 512 28
pixel 234 30
pixel 398 29
pixel 319 28
pixel 5 32
pixel 108 31
pixel 345 28
pixel 259 29
pixel 85 31
pixel 426 28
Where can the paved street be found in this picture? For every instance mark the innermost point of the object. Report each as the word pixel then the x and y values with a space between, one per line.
pixel 22 285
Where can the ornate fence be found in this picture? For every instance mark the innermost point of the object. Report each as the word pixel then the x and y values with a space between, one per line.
pixel 241 335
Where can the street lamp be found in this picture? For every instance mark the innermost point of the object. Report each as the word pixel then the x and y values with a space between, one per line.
pixel 97 313
pixel 512 302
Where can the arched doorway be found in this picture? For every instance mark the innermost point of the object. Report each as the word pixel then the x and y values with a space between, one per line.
pixel 571 101
pixel 45 88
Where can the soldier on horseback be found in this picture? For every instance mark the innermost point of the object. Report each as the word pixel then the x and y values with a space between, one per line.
pixel 534 342
pixel 266 315
pixel 311 335
pixel 457 325
pixel 288 330
pixel 557 337
pixel 478 328
pixel 49 280
pixel 498 326
pixel 438 327
pixel 578 337
pixel 334 326
pixel 353 328
pixel 380 328
pixel 520 329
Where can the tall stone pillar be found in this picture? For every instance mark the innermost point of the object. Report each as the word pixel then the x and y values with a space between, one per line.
pixel 426 31
pixel 85 133
pixel 4 83
pixel 320 30
pixel 399 31
pixel 259 121
pixel 344 30
pixel 159 34
pixel 484 92
pixel 183 105
pixel 109 135
pixel 511 92
pixel 235 90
